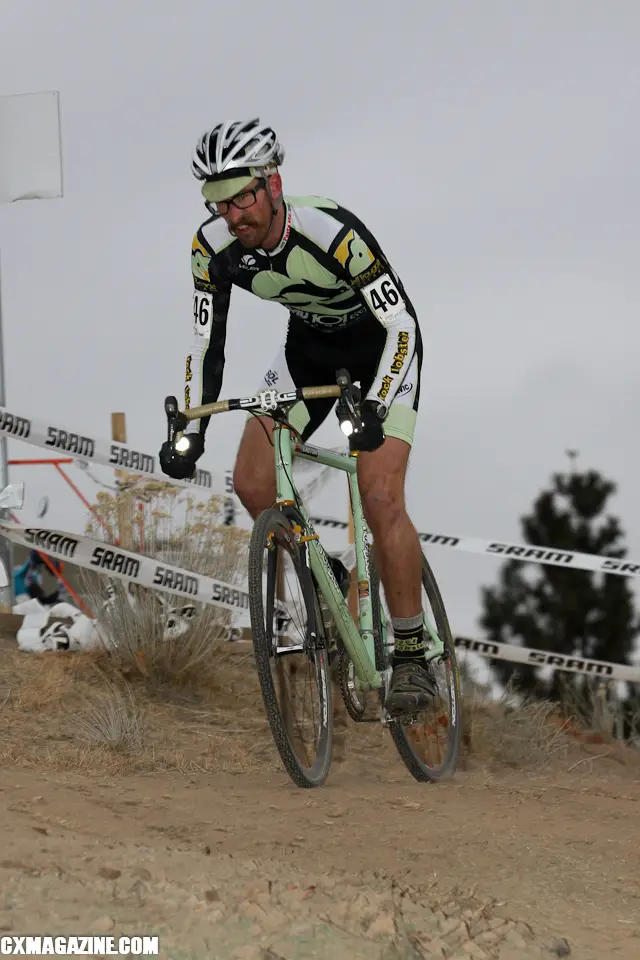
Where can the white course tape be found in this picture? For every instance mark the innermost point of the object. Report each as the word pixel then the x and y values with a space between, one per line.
pixel 317 483
pixel 86 449
pixel 109 453
pixel 568 559
pixel 544 658
pixel 125 565
pixel 135 568
pixel 120 456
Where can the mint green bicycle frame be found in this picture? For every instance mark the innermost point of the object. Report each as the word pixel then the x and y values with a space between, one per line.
pixel 357 638
pixel 358 642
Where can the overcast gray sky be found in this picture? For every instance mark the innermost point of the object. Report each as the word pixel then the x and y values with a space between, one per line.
pixel 492 147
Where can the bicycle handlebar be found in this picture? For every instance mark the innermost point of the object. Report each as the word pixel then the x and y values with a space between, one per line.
pixel 265 401
pixel 259 400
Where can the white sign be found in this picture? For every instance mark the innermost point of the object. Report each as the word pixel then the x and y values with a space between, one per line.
pixel 30 147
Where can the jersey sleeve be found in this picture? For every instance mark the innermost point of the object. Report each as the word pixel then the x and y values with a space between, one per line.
pixel 205 360
pixel 369 272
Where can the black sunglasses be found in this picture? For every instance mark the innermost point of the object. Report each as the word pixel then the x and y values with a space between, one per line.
pixel 242 201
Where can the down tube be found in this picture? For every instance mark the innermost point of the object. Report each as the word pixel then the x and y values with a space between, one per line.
pixel 322 571
pixel 362 541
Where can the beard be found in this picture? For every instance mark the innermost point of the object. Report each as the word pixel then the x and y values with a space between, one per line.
pixel 251 237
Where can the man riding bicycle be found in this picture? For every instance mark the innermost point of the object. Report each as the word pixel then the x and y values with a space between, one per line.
pixel 347 308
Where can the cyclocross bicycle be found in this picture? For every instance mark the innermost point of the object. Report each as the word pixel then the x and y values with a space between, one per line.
pixel 304 635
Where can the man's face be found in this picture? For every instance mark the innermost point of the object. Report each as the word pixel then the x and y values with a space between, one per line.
pixel 250 224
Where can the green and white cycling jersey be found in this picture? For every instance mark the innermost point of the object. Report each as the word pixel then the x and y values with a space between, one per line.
pixel 330 273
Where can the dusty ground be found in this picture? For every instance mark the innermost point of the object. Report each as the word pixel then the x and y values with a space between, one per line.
pixel 198 836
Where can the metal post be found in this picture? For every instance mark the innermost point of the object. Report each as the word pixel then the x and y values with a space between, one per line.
pixel 33 172
pixel 6 547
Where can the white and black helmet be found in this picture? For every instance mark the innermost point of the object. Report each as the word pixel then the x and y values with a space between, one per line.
pixel 235 146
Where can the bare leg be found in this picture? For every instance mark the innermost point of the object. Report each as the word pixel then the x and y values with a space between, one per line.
pixel 381 476
pixel 254 475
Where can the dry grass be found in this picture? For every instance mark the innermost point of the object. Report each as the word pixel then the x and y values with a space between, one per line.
pixel 506 732
pixel 534 736
pixel 157 636
pixel 597 712
pixel 77 712
pixel 526 737
pixel 144 648
pixel 45 682
pixel 532 733
pixel 154 698
pixel 114 720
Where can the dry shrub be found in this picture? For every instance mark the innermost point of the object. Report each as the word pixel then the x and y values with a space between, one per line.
pixel 114 720
pixel 506 733
pixel 144 648
pixel 520 732
pixel 157 635
pixel 598 711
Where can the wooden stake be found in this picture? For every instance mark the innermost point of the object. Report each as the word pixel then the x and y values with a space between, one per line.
pixel 125 532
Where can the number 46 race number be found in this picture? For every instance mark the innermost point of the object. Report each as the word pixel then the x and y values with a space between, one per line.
pixel 384 298
pixel 202 313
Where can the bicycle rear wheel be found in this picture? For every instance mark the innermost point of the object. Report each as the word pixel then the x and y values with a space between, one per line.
pixel 429 743
pixel 290 650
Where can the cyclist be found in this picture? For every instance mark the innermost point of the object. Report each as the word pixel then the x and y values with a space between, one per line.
pixel 347 308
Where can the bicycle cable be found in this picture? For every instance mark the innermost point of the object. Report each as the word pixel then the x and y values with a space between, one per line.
pixel 260 420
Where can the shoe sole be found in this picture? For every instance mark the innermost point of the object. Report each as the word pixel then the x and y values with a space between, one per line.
pixel 405 703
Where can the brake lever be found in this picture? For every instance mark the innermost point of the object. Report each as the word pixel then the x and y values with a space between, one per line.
pixel 176 421
pixel 350 397
pixel 343 378
pixel 348 391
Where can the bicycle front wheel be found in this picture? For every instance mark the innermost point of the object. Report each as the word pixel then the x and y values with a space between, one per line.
pixel 289 648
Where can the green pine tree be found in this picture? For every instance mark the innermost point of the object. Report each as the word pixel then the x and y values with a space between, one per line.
pixel 564 610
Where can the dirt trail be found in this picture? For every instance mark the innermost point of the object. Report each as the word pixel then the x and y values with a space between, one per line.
pixel 561 854
pixel 243 865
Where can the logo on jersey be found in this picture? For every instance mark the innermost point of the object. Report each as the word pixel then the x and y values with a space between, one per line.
pixel 401 353
pixel 330 324
pixel 200 260
pixel 307 286
pixel 271 377
pixel 249 262
pixel 384 389
pixel 405 388
pixel 368 276
pixel 188 375
pixel 354 254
